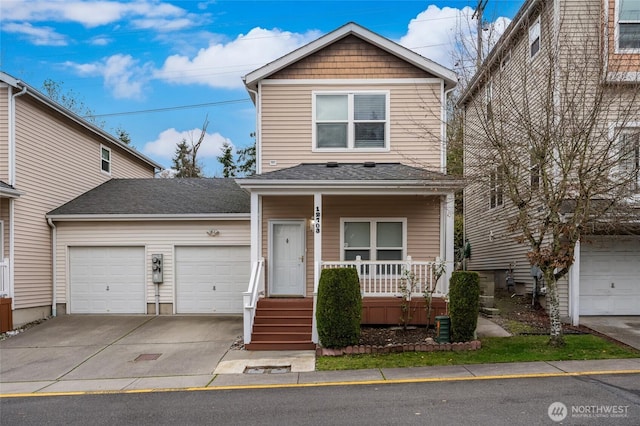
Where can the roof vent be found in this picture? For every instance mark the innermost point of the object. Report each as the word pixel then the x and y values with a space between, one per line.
pixel 332 164
pixel 369 163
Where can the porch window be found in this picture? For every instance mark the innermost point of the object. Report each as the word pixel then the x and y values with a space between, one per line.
pixel 373 239
pixel 628 24
pixel 105 157
pixel 356 120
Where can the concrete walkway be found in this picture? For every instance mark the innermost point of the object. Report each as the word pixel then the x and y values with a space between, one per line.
pixel 88 354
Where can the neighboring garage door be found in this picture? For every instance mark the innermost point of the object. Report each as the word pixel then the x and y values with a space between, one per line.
pixel 211 279
pixel 107 280
pixel 610 276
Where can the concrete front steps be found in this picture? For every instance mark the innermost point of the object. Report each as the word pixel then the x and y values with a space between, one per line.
pixel 282 324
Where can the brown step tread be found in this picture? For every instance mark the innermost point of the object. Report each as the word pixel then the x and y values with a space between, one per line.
pixel 280 346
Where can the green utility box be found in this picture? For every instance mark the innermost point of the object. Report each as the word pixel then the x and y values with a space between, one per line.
pixel 443 328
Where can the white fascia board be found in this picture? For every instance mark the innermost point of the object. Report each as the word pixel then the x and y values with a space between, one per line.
pixel 138 217
pixel 252 78
pixel 351 83
pixel 288 188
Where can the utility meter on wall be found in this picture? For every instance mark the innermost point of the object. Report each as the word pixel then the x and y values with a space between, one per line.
pixel 156 268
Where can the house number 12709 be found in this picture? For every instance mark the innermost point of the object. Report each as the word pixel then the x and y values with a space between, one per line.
pixel 317 218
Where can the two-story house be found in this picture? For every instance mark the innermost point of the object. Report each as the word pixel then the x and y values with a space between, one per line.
pixel 351 171
pixel 48 155
pixel 562 71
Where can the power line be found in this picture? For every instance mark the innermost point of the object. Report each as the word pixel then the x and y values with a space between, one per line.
pixel 174 108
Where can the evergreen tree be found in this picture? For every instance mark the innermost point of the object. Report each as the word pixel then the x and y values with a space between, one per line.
pixel 229 167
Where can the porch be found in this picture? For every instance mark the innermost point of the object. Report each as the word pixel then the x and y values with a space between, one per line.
pixel 273 323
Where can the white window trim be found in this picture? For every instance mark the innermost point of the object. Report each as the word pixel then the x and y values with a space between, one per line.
pixel 506 58
pixel 627 129
pixel 110 162
pixel 616 26
pixel 535 23
pixel 372 231
pixel 350 129
pixel 495 188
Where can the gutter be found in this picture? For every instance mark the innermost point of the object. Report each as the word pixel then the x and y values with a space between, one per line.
pixel 142 217
pixel 54 258
pixel 257 103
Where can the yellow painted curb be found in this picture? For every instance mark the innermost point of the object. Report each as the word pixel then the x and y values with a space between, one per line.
pixel 323 384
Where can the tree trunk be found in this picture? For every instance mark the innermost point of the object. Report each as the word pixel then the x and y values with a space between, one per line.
pixel 556 339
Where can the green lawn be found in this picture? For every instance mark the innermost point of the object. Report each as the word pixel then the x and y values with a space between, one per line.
pixel 494 349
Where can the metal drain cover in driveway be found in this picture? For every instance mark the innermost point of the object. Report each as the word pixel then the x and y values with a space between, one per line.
pixel 268 370
pixel 147 357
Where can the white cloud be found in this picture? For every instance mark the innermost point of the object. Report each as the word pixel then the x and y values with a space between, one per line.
pixel 40 36
pixel 436 33
pixel 223 64
pixel 165 145
pixel 91 13
pixel 122 75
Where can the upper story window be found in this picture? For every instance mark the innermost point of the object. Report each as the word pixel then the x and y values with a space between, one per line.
pixel 489 98
pixel 628 24
pixel 357 120
pixel 105 159
pixel 534 38
pixel 629 149
pixel 496 182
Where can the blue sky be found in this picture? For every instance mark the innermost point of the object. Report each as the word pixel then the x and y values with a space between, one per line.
pixel 158 68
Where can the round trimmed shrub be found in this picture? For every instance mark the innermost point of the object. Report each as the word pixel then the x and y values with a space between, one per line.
pixel 339 307
pixel 464 304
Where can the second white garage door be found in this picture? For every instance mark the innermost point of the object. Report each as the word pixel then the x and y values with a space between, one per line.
pixel 106 280
pixel 211 279
pixel 609 276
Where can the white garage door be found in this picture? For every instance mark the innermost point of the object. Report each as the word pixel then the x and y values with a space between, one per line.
pixel 107 280
pixel 610 276
pixel 211 279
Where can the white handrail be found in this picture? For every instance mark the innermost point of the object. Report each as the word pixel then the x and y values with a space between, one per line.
pixel 250 297
pixel 386 278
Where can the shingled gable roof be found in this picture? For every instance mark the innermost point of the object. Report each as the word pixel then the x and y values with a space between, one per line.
pixel 251 80
pixel 182 198
pixel 367 174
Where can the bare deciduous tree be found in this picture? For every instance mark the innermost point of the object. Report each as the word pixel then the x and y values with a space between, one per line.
pixel 553 142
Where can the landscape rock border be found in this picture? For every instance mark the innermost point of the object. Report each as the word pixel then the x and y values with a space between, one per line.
pixel 473 345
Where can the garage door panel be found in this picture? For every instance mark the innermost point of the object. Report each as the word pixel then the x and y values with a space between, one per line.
pixel 107 280
pixel 610 276
pixel 211 279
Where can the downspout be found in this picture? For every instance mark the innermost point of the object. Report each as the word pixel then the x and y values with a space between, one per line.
pixel 12 182
pixel 54 258
pixel 448 201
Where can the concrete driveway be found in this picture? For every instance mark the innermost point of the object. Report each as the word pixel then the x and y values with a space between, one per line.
pixel 625 329
pixel 77 348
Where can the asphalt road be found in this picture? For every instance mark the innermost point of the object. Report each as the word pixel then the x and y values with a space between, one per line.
pixel 588 400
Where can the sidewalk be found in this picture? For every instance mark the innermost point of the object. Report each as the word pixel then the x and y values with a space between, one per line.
pixel 93 354
pixel 274 378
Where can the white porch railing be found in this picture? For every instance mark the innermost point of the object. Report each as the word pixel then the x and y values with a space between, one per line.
pixel 250 297
pixel 387 278
pixel 5 290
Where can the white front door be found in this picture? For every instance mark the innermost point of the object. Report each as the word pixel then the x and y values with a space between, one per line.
pixel 287 254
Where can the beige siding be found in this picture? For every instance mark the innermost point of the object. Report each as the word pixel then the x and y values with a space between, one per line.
pixel 287 126
pixel 56 162
pixel 4 133
pixel 421 212
pixel 4 217
pixel 158 237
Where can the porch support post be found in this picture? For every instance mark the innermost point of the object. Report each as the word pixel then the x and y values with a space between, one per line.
pixel 446 243
pixel 317 257
pixel 256 240
pixel 574 287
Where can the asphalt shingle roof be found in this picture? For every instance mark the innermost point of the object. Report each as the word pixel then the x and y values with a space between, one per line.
pixel 160 197
pixel 368 171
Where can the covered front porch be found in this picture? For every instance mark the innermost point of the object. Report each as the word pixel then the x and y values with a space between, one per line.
pixel 395 234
